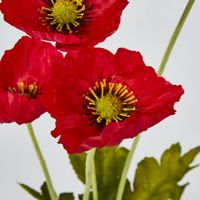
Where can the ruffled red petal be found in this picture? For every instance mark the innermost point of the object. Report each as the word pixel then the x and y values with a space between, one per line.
pixel 66 127
pixel 19 109
pixel 30 62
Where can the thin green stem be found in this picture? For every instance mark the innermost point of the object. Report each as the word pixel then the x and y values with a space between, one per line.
pixel 174 37
pixel 94 182
pixel 161 69
pixel 88 173
pixel 127 164
pixel 42 162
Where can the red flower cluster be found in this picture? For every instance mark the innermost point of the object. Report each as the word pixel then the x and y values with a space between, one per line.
pixel 70 23
pixel 98 98
pixel 24 71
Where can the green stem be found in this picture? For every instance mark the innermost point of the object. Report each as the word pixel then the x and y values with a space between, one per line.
pixel 94 182
pixel 88 173
pixel 161 69
pixel 122 182
pixel 174 37
pixel 42 162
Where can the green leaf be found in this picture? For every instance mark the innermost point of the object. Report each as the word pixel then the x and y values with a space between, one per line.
pixel 80 196
pixel 78 163
pixel 127 191
pixel 66 196
pixel 154 181
pixel 109 163
pixel 176 166
pixel 43 195
pixel 45 192
pixel 189 156
pixel 31 191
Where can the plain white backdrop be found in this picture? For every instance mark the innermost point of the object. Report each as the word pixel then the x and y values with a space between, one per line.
pixel 146 26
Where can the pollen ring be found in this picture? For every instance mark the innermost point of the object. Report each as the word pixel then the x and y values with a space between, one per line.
pixel 24 89
pixel 64 15
pixel 108 102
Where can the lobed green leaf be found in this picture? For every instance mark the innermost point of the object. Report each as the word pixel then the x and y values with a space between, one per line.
pixel 154 181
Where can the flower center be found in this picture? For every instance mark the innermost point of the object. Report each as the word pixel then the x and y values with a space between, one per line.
pixel 24 89
pixel 109 102
pixel 64 15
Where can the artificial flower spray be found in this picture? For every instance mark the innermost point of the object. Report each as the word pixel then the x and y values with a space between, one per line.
pixel 97 98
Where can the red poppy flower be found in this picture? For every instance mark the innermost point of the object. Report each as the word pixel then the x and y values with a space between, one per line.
pixel 70 23
pixel 99 98
pixel 24 70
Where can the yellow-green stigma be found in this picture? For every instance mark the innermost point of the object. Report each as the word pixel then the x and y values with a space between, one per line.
pixel 24 89
pixel 64 15
pixel 109 102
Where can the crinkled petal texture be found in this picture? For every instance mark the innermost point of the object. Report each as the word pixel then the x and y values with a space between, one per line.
pixel 64 97
pixel 101 19
pixel 24 71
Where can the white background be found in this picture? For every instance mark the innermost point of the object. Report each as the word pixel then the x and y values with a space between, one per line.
pixel 146 26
